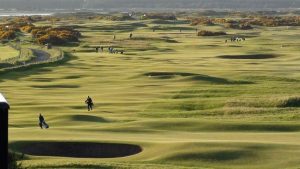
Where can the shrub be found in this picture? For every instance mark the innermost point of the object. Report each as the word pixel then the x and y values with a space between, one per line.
pixel 201 21
pixel 209 33
pixel 161 16
pixel 290 102
pixel 56 36
pixel 7 35
pixel 27 28
pixel 12 161
pixel 238 26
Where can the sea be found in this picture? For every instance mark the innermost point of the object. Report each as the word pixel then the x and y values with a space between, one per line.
pixel 5 14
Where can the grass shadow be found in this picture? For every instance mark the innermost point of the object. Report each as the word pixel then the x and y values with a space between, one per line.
pixel 214 156
pixel 55 86
pixel 88 118
pixel 252 56
pixel 194 77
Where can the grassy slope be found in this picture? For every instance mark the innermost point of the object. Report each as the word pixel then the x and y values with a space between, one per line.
pixel 7 52
pixel 185 106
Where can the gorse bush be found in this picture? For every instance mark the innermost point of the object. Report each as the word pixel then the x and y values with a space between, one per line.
pixel 8 31
pixel 56 36
pixel 210 33
pixel 201 21
pixel 7 35
pixel 239 26
pixel 43 35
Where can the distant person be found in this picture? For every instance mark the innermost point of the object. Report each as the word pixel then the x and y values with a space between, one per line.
pixel 111 49
pixel 42 122
pixel 89 103
pixel 114 37
pixel 130 35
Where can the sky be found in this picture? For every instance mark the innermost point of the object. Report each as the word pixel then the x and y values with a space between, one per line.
pixel 148 4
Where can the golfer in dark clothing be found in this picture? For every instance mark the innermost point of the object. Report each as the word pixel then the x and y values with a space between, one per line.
pixel 42 122
pixel 89 103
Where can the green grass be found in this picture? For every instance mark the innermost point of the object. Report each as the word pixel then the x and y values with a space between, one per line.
pixel 169 93
pixel 7 52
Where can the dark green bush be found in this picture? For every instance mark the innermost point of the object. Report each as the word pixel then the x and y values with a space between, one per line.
pixel 209 33
pixel 290 102
pixel 12 161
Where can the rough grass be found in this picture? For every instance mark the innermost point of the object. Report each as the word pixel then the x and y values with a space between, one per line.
pixel 283 102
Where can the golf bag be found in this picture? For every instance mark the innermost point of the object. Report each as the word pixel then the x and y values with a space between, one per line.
pixel 45 125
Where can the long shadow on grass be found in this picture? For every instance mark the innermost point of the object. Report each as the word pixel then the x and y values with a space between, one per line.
pixel 214 156
pixel 77 166
pixel 65 86
pixel 194 77
pixel 251 56
pixel 223 127
pixel 87 118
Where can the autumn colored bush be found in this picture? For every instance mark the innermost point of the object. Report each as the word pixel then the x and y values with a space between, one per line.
pixel 238 26
pixel 201 21
pixel 27 28
pixel 56 36
pixel 7 35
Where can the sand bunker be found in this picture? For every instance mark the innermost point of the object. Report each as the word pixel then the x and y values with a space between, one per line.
pixel 78 149
pixel 254 56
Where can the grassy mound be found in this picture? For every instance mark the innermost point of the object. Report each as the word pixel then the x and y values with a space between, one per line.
pixel 77 149
pixel 283 102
